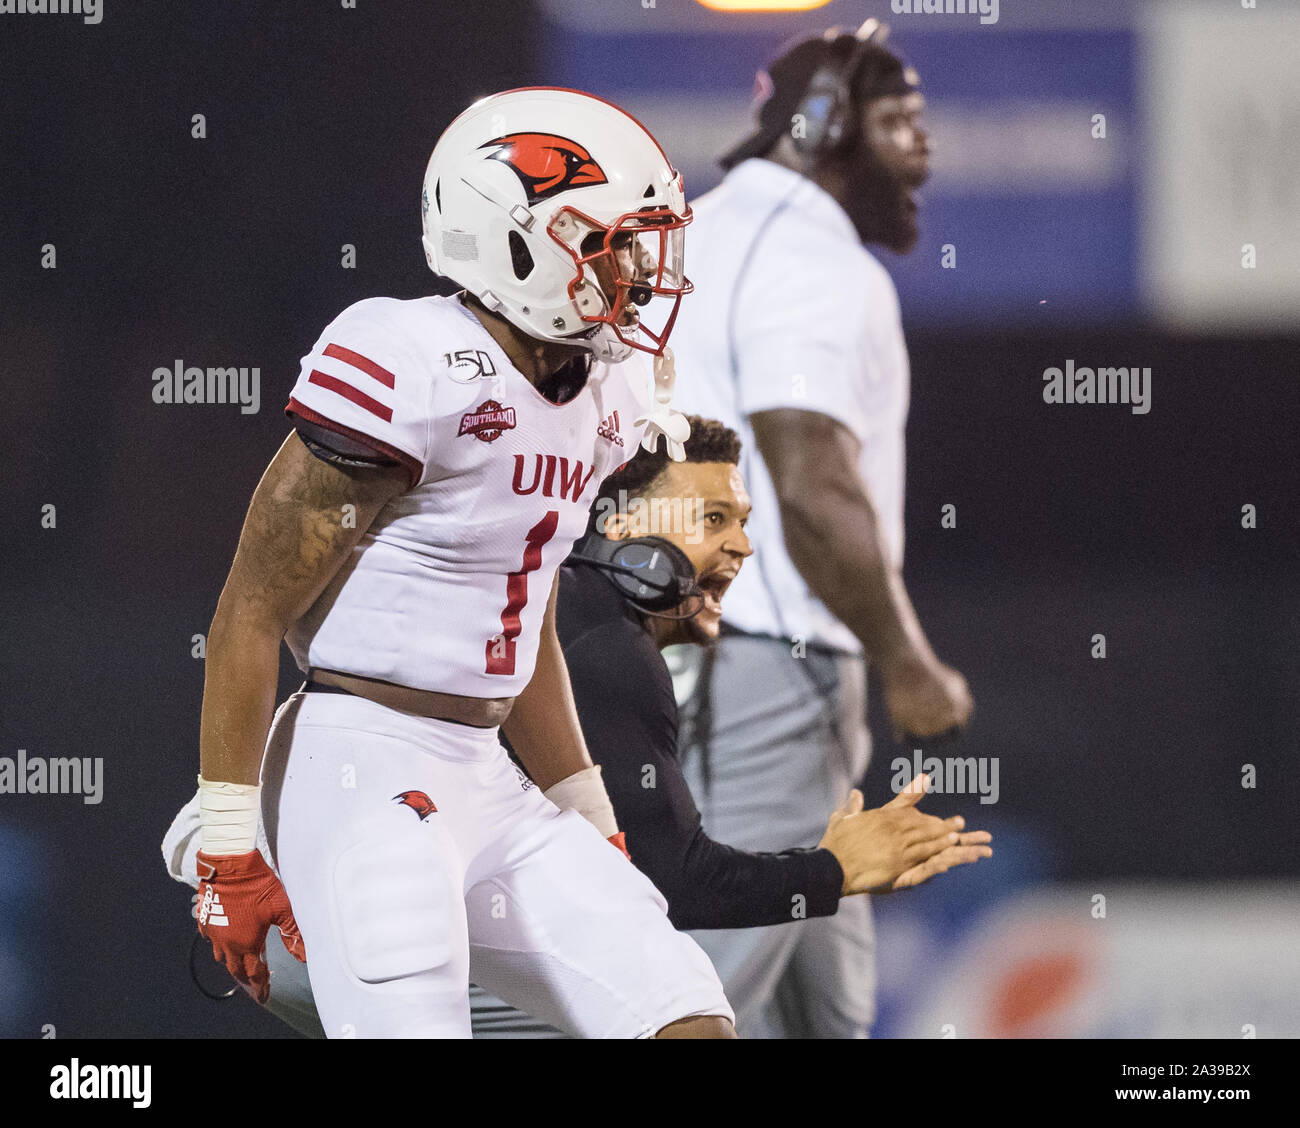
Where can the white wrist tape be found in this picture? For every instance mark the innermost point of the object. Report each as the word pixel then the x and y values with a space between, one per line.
pixel 228 816
pixel 585 793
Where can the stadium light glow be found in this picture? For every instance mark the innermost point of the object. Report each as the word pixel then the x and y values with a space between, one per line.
pixel 763 5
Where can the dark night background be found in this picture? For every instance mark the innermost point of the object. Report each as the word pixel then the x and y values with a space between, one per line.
pixel 226 251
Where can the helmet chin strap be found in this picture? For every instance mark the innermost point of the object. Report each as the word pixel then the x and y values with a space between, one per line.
pixel 606 346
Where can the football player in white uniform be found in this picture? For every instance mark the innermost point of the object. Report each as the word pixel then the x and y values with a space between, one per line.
pixel 404 541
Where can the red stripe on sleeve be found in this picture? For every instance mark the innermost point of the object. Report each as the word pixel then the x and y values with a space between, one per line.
pixel 347 391
pixel 368 366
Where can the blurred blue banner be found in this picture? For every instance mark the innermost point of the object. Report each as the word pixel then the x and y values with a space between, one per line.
pixel 1041 214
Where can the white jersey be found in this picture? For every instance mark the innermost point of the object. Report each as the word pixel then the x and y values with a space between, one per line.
pixel 791 311
pixel 447 589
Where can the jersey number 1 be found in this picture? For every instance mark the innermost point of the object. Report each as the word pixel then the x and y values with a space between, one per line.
pixel 501 649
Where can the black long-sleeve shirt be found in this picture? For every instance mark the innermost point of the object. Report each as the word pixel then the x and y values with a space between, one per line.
pixel 628 713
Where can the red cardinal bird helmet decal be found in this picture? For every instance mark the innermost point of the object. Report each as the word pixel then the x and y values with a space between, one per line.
pixel 545 163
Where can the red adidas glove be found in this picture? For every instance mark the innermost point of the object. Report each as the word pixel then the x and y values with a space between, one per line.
pixel 621 842
pixel 239 899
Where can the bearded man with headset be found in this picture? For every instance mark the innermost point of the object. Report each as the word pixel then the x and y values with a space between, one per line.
pixel 794 338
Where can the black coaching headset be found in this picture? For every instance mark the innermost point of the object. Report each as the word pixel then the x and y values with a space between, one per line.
pixel 651 573
pixel 827 106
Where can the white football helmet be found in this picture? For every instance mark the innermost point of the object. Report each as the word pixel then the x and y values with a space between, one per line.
pixel 528 190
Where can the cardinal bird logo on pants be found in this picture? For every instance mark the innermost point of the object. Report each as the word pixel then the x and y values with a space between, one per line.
pixel 418 801
pixel 546 164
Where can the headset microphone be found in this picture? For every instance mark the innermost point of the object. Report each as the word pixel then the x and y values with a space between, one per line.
pixel 651 573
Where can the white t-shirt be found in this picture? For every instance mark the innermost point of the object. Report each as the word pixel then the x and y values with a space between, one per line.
pixel 447 589
pixel 791 311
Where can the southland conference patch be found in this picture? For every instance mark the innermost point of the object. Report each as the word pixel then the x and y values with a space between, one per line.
pixel 487 421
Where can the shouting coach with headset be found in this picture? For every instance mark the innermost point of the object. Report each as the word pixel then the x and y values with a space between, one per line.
pixel 625 596
pixel 794 338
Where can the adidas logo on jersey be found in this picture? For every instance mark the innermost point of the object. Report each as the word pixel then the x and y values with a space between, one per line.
pixel 212 911
pixel 609 430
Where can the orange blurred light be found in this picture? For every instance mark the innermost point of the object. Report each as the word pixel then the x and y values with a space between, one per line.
pixel 763 5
